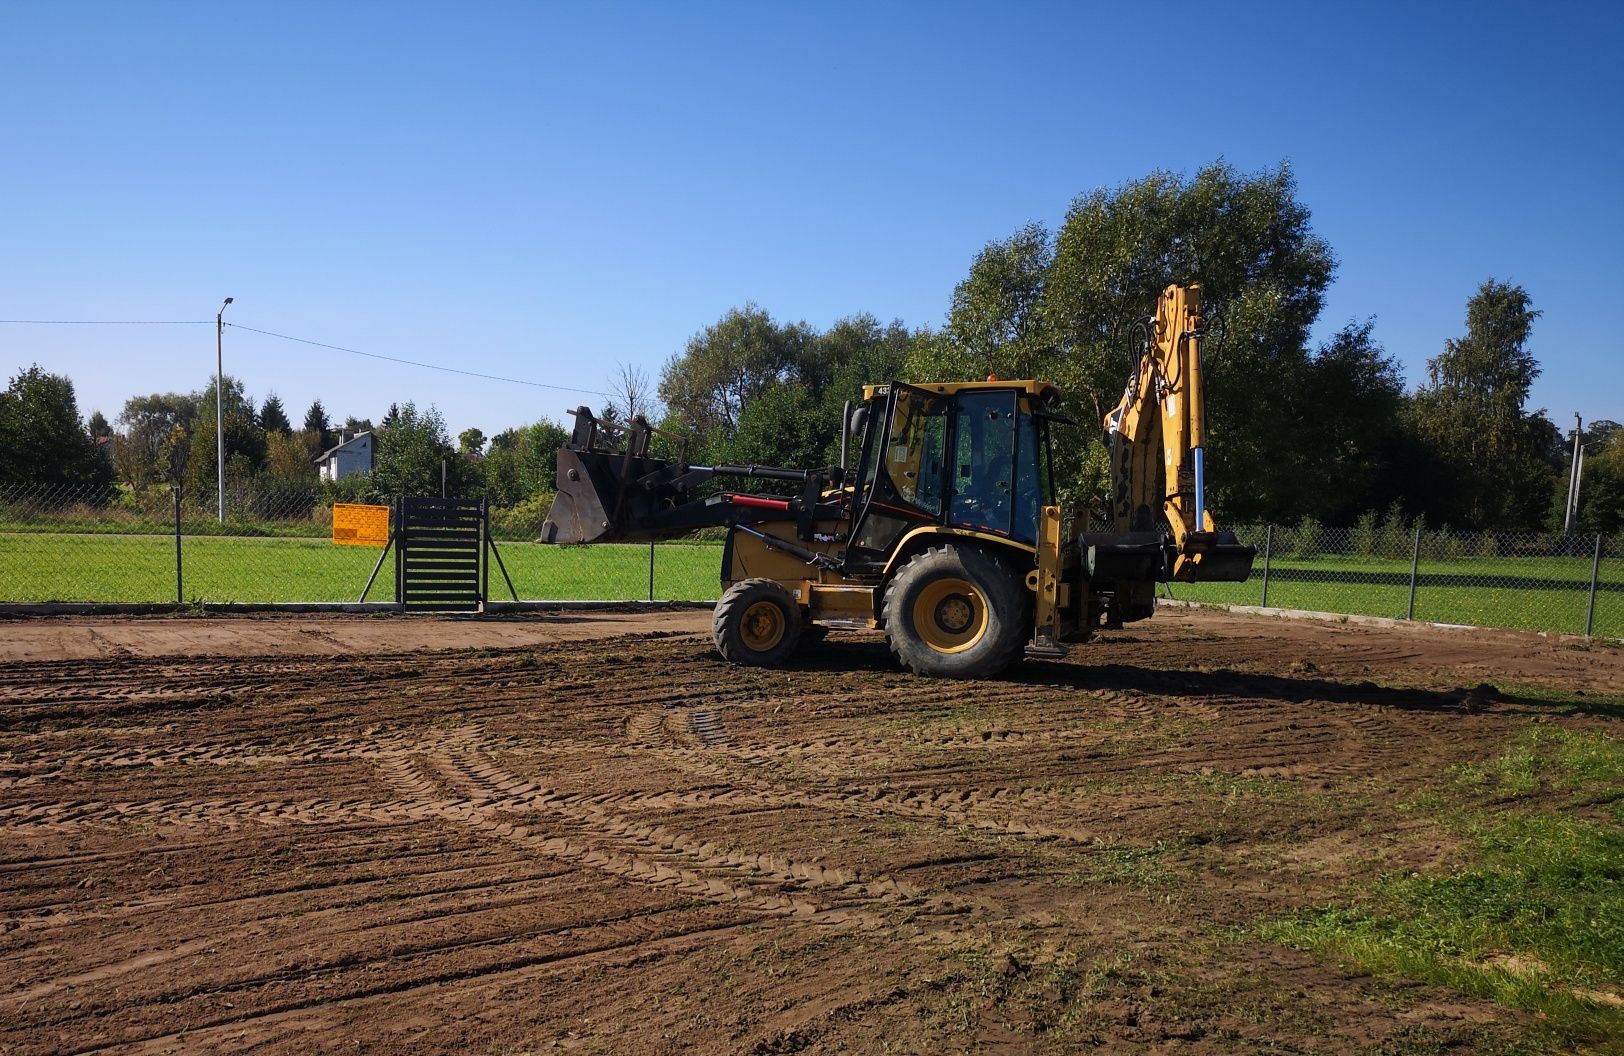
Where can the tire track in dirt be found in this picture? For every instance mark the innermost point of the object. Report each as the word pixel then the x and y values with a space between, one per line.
pixel 971 808
pixel 392 954
pixel 604 942
pixel 641 852
pixel 354 892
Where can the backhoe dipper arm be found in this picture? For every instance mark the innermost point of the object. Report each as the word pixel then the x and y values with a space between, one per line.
pixel 1156 436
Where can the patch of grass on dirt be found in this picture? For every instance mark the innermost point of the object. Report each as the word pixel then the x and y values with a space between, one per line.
pixel 1139 868
pixel 1549 757
pixel 1576 702
pixel 1532 917
pixel 1032 991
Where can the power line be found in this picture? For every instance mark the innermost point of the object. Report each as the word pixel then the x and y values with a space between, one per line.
pixel 306 341
pixel 426 366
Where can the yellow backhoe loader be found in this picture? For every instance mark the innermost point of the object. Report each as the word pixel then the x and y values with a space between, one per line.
pixel 945 535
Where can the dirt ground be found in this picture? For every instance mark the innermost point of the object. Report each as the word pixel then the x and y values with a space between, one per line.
pixel 586 832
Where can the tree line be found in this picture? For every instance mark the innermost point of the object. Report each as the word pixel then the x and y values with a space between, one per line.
pixel 166 440
pixel 1322 432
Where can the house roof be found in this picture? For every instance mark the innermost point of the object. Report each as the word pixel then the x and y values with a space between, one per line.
pixel 335 449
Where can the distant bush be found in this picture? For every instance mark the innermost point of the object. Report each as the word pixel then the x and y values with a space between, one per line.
pixel 1366 535
pixel 522 520
pixel 1306 540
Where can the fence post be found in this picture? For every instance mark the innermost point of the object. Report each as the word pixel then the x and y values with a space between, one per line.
pixel 485 534
pixel 180 587
pixel 651 570
pixel 1415 564
pixel 1268 548
pixel 1595 567
pixel 399 503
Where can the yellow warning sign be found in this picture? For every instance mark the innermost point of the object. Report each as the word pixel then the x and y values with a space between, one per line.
pixel 357 525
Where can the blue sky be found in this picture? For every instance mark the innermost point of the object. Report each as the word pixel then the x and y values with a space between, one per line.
pixel 545 191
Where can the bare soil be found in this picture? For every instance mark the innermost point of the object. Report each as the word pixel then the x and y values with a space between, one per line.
pixel 588 833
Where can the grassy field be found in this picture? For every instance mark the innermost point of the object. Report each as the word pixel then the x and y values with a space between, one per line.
pixel 141 568
pixel 1548 594
pixel 1531 914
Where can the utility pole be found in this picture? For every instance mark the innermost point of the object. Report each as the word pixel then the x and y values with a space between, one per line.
pixel 1579 476
pixel 1572 507
pixel 219 403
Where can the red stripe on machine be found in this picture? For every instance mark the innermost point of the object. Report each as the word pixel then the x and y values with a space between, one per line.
pixel 760 504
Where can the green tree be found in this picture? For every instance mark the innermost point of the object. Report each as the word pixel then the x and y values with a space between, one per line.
pixel 317 422
pixel 288 458
pixel 751 389
pixel 273 417
pixel 706 387
pixel 97 427
pixel 777 429
pixel 522 464
pixel 411 447
pixel 999 318
pixel 244 441
pixel 1601 484
pixel 155 444
pixel 1347 431
pixel 471 443
pixel 43 440
pixel 1601 491
pixel 856 351
pixel 1063 310
pixel 1498 459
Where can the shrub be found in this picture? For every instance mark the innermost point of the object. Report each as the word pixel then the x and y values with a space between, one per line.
pixel 1304 541
pixel 1366 533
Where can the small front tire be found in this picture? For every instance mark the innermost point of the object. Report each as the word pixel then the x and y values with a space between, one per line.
pixel 757 623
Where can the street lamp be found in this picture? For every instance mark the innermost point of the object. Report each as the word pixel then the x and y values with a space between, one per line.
pixel 219 404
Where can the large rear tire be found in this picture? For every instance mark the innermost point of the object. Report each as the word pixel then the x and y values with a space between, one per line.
pixel 957 612
pixel 756 623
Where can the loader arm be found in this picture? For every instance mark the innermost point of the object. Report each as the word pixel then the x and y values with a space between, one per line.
pixel 1156 436
pixel 612 489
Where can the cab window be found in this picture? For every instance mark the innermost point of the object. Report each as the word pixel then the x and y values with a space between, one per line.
pixel 983 460
pixel 915 450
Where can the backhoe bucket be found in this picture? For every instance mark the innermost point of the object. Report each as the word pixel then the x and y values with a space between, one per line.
pixel 1209 561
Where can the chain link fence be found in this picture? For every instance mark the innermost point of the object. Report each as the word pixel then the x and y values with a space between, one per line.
pixel 274 545
pixel 1539 581
pixel 113 546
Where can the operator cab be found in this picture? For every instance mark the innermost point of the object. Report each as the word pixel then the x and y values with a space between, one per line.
pixel 971 456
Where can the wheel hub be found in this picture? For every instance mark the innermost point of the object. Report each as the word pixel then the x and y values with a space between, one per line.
pixel 950 615
pixel 762 626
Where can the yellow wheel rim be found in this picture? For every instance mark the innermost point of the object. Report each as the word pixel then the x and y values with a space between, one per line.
pixel 950 615
pixel 762 626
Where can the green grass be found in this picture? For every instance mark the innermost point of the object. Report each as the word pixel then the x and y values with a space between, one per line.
pixel 1528 593
pixel 1532 915
pixel 141 568
pixel 1546 594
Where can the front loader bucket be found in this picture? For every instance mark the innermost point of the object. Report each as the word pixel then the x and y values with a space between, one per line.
pixel 581 509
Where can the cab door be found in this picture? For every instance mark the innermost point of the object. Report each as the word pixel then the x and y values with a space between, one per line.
pixel 1000 473
pixel 907 458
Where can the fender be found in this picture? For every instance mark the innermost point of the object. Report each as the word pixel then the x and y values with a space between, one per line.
pixel 904 548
